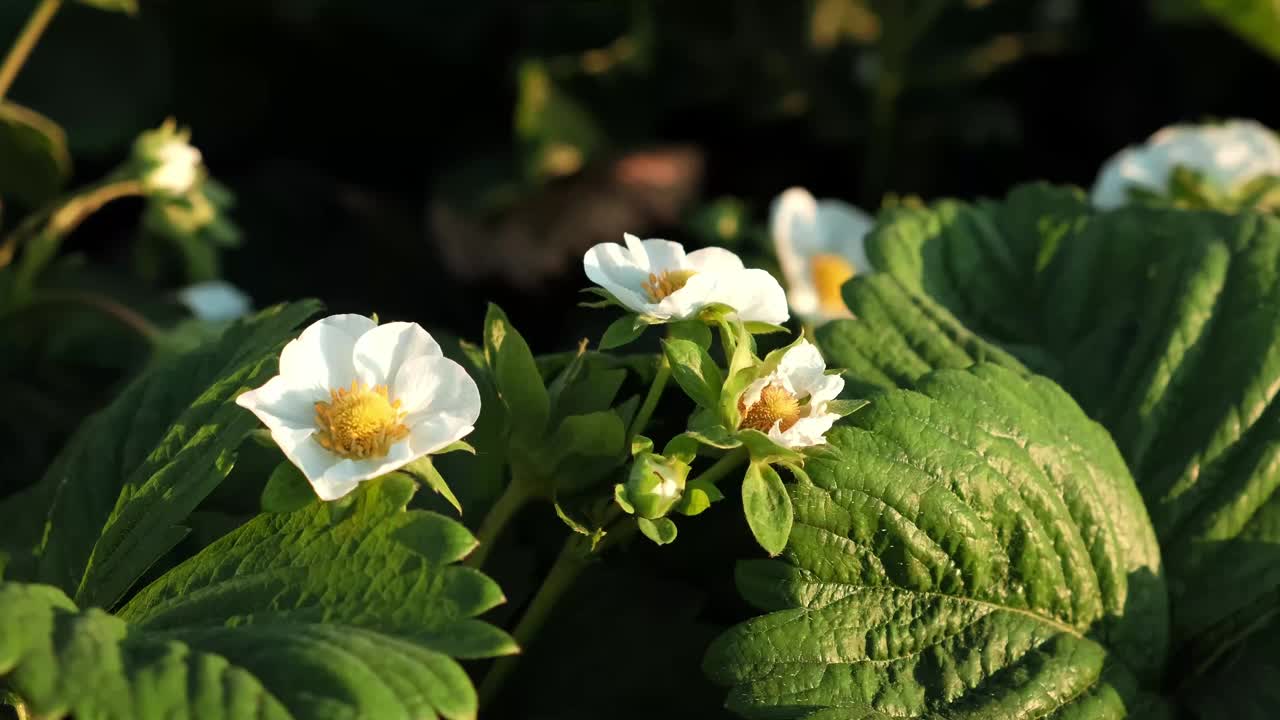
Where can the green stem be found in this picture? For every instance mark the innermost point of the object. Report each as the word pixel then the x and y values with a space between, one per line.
pixel 651 400
pixel 508 504
pixel 723 466
pixel 108 306
pixel 569 564
pixel 26 42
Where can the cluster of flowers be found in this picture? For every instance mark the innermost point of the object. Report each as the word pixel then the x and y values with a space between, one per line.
pixel 355 399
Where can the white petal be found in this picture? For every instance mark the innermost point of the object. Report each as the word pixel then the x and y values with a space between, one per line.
pixel 698 292
pixel 436 388
pixel 380 353
pixel 434 434
pixel 751 395
pixel 806 432
pixel 793 222
pixel 322 355
pixel 754 294
pixel 712 260
pixel 843 230
pixel 615 268
pixel 826 388
pixel 333 476
pixel 663 255
pixel 280 404
pixel 803 365
pixel 803 299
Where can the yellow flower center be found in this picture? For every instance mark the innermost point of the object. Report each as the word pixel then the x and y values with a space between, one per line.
pixel 829 272
pixel 775 404
pixel 359 422
pixel 663 284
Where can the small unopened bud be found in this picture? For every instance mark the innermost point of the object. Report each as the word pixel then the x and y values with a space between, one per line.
pixel 655 485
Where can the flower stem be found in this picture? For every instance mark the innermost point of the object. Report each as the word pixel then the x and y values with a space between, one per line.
pixel 26 42
pixel 505 508
pixel 651 400
pixel 569 564
pixel 723 466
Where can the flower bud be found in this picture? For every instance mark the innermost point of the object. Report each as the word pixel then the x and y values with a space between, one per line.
pixel 170 166
pixel 655 485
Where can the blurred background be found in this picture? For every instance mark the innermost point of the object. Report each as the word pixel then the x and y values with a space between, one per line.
pixel 418 159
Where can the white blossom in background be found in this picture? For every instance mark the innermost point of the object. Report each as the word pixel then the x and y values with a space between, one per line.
pixel 791 404
pixel 215 300
pixel 657 278
pixel 1228 154
pixel 171 166
pixel 820 245
pixel 355 400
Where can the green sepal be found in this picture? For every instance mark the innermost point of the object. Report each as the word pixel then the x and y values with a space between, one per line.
pixel 606 298
pixel 698 496
pixel 683 447
pixel 425 472
pixel 691 330
pixel 641 444
pixel 661 531
pixel 623 331
pixel 763 449
pixel 763 328
pixel 844 408
pixel 620 497
pixel 456 446
pixel 706 428
pixel 286 490
pixel 694 371
pixel 767 507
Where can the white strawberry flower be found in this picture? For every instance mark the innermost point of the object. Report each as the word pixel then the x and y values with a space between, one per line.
pixel 820 244
pixel 656 278
pixel 171 167
pixel 793 403
pixel 355 400
pixel 1228 155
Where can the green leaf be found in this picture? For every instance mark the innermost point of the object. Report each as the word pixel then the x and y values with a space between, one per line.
pixel 134 471
pixel 623 331
pixel 695 332
pixel 1257 21
pixel 695 372
pixel 323 612
pixel 1240 682
pixel 129 7
pixel 767 507
pixel 34 160
pixel 424 471
pixel 286 490
pixel 928 570
pixel 516 376
pixel 899 336
pixel 1160 322
pixel 598 435
pixel 661 531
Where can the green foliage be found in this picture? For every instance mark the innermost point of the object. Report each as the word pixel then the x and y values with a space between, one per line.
pixel 34 160
pixel 767 507
pixel 134 471
pixel 515 376
pixel 926 572
pixel 124 6
pixel 336 609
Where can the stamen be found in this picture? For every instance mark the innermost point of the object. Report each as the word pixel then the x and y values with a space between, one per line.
pixel 829 273
pixel 659 286
pixel 359 422
pixel 774 405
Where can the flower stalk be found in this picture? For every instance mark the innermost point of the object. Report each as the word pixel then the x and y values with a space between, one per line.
pixel 26 42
